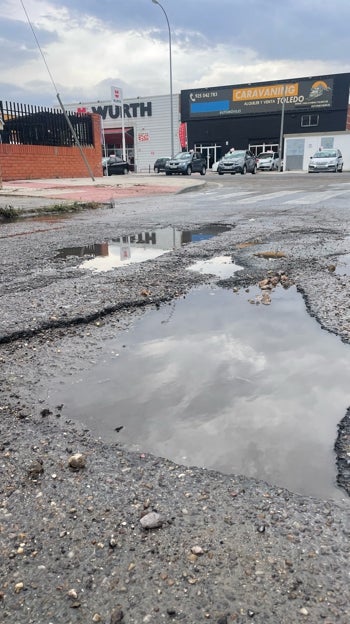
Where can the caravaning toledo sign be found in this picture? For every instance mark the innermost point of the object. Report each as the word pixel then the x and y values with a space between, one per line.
pixel 260 98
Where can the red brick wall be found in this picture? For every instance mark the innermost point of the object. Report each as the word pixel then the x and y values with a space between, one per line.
pixel 30 162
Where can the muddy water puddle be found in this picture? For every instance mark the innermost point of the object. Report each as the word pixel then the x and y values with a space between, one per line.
pixel 135 248
pixel 214 381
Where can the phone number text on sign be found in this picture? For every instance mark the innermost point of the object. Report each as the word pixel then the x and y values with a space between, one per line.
pixel 143 136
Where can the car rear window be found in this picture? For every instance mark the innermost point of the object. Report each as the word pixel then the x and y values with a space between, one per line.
pixel 234 154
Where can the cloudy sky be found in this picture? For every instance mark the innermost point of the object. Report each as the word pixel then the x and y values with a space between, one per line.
pixel 90 45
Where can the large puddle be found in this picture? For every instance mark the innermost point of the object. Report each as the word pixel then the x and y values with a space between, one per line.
pixel 214 381
pixel 147 245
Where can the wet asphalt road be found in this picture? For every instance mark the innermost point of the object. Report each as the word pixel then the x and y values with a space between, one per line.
pixel 59 565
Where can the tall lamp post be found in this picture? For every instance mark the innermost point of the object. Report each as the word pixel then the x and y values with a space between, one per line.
pixel 280 145
pixel 171 80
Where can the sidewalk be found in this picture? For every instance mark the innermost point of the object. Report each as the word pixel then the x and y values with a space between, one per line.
pixel 32 194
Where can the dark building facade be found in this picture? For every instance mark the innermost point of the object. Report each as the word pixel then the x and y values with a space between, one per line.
pixel 252 115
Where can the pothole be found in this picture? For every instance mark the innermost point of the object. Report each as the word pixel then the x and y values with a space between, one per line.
pixel 123 250
pixel 213 381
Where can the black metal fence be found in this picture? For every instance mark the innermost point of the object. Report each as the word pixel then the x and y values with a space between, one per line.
pixel 34 125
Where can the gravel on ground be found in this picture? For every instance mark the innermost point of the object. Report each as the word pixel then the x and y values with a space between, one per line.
pixel 92 532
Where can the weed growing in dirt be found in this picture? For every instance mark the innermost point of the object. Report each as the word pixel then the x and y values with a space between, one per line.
pixel 9 213
pixel 74 207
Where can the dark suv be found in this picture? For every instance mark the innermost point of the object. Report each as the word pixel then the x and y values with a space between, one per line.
pixel 160 163
pixel 186 163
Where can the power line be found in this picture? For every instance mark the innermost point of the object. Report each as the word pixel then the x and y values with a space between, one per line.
pixel 58 96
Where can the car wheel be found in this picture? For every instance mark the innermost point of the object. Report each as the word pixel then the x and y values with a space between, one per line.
pixel 168 173
pixel 203 170
pixel 220 172
pixel 109 172
pixel 244 170
pixel 125 170
pixel 156 170
pixel 341 169
pixel 254 170
pixel 188 170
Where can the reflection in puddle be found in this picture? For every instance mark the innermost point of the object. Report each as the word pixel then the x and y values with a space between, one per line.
pixel 148 245
pixel 121 255
pixel 213 381
pixel 221 266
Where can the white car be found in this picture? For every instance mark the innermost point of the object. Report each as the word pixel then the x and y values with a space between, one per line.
pixel 326 160
pixel 268 161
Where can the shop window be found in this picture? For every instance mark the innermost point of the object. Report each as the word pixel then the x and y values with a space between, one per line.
pixel 309 120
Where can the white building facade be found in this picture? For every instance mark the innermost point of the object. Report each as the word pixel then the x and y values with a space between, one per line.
pixel 147 128
pixel 299 148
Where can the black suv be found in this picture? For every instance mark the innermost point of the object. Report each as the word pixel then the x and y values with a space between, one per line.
pixel 186 163
pixel 160 163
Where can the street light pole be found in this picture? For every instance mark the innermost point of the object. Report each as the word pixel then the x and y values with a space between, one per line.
pixel 280 146
pixel 171 80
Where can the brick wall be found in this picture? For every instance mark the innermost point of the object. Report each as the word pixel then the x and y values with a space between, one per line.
pixel 30 162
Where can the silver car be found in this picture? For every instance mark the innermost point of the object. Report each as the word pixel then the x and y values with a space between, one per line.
pixel 268 161
pixel 326 160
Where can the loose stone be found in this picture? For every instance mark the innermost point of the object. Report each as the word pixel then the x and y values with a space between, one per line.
pixel 151 520
pixel 77 461
pixel 35 468
pixel 72 593
pixel 116 616
pixel 197 550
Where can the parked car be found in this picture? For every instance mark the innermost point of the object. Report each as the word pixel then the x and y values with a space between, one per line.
pixel 160 163
pixel 186 163
pixel 115 165
pixel 267 161
pixel 326 160
pixel 237 161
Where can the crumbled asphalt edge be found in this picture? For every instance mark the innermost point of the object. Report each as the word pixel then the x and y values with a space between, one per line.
pixel 342 450
pixel 342 442
pixel 80 320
